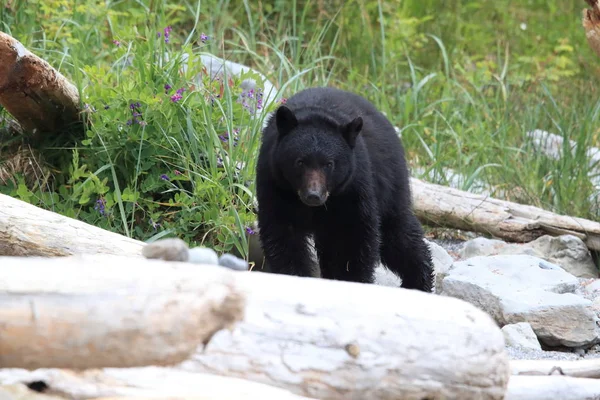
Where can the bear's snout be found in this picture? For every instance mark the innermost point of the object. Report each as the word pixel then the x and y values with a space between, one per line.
pixel 314 189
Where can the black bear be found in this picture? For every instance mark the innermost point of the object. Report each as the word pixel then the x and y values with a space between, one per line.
pixel 332 167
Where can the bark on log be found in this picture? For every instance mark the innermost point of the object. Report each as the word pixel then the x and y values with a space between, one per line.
pixel 39 97
pixel 313 337
pixel 27 230
pixel 552 388
pixel 145 383
pixel 109 311
pixel 443 206
pixel 589 368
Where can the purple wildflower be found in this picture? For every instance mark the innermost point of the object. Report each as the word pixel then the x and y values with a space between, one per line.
pixel 177 172
pixel 224 138
pixel 177 96
pixel 250 231
pixel 203 37
pixel 130 122
pixel 283 100
pixel 164 177
pixel 100 204
pixel 154 224
pixel 167 87
pixel 116 43
pixel 167 32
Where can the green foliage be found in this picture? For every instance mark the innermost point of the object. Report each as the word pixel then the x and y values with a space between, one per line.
pixel 464 81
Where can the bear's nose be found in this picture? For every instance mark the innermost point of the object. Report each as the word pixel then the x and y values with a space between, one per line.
pixel 313 198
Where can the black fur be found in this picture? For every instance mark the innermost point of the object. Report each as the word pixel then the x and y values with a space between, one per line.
pixel 335 151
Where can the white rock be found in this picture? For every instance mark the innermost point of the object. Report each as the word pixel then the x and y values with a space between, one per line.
pixel 441 259
pixel 567 251
pixel 203 255
pixel 441 263
pixel 521 335
pixel 520 288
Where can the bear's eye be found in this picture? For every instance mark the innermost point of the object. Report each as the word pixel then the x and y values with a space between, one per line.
pixel 329 165
pixel 299 163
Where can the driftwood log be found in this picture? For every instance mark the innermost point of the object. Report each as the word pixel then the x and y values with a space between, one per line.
pixel 453 208
pixel 154 383
pixel 343 340
pixel 589 368
pixel 109 311
pixel 27 230
pixel 39 97
pixel 552 388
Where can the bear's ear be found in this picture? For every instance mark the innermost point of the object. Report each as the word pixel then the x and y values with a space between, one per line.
pixel 351 130
pixel 285 120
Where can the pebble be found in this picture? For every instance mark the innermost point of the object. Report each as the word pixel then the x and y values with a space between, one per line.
pixel 171 249
pixel 203 255
pixel 232 262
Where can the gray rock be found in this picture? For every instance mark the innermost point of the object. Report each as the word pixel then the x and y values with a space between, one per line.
pixel 520 288
pixel 441 259
pixel 203 255
pixel 441 263
pixel 171 249
pixel 232 262
pixel 385 277
pixel 521 335
pixel 568 251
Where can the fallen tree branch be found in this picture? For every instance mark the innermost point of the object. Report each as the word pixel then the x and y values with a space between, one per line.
pixel 443 206
pixel 551 388
pixel 109 311
pixel 589 368
pixel 144 383
pixel 39 97
pixel 27 230
pixel 317 338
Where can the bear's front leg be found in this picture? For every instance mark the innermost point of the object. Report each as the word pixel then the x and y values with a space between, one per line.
pixel 286 252
pixel 283 237
pixel 348 250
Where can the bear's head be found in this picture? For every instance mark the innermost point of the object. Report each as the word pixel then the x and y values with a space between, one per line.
pixel 314 156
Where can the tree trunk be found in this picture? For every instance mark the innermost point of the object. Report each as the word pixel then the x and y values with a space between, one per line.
pixel 40 98
pixel 453 208
pixel 27 230
pixel 110 311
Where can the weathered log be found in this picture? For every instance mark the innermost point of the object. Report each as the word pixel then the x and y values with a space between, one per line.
pixel 317 338
pixel 552 388
pixel 443 206
pixel 39 97
pixel 340 340
pixel 27 230
pixel 110 311
pixel 143 383
pixel 589 368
